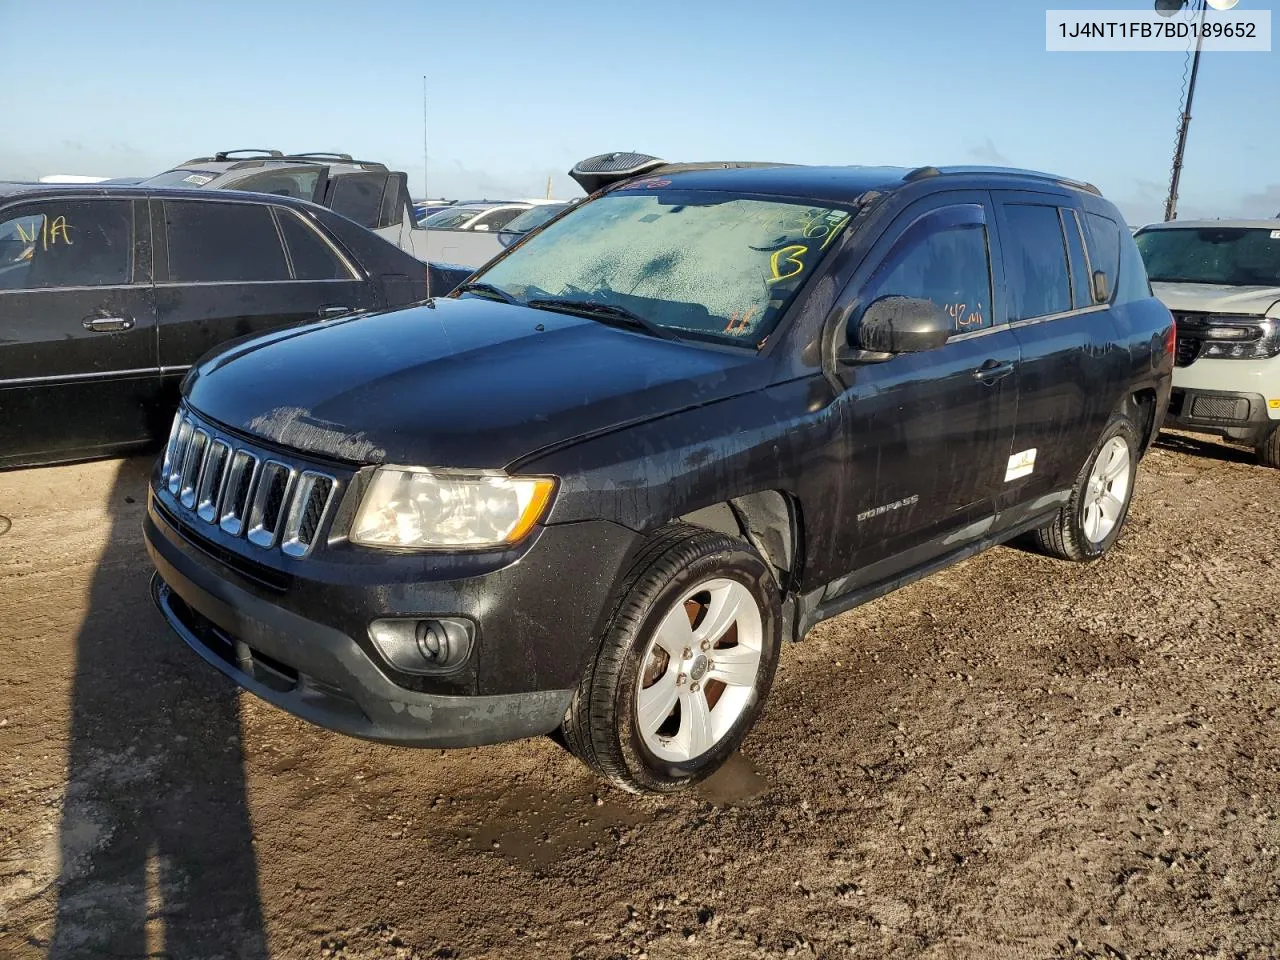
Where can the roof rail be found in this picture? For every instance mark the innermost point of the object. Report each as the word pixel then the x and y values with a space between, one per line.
pixel 223 155
pixel 1019 172
pixel 321 155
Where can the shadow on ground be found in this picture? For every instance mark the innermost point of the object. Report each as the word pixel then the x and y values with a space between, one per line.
pixel 156 842
pixel 1206 447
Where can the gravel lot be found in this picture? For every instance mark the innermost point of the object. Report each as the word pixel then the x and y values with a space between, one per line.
pixel 1017 757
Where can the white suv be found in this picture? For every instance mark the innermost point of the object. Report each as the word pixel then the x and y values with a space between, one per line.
pixel 1221 280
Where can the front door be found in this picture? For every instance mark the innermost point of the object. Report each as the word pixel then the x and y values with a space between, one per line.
pixel 929 433
pixel 78 366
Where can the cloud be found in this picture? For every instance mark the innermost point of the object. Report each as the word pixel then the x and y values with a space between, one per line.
pixel 988 153
pixel 1264 204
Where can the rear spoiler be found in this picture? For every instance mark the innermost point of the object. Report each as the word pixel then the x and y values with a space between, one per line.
pixel 600 171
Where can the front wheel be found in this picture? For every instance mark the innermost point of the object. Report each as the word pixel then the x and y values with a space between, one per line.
pixel 1091 521
pixel 685 664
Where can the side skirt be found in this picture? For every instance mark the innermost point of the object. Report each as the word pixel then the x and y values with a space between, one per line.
pixel 812 609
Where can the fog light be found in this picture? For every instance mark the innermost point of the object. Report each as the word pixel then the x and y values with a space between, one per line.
pixel 438 645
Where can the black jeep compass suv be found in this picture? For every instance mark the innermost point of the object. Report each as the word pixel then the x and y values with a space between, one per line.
pixel 595 488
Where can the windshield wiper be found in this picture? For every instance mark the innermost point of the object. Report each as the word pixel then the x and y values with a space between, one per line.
pixel 605 312
pixel 488 289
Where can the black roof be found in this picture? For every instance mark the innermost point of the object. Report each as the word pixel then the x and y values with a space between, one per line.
pixel 128 190
pixel 838 184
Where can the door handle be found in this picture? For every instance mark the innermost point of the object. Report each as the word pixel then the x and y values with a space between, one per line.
pixel 334 311
pixel 993 370
pixel 108 324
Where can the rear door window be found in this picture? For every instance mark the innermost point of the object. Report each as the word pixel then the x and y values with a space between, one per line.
pixel 1035 257
pixel 66 243
pixel 313 258
pixel 214 242
pixel 358 197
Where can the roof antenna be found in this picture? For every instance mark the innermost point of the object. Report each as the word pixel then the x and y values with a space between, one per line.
pixel 426 189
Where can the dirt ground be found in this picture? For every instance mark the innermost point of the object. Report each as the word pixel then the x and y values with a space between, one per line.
pixel 1015 758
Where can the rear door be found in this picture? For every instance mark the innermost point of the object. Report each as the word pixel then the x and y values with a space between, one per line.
pixel 1071 355
pixel 234 268
pixel 78 367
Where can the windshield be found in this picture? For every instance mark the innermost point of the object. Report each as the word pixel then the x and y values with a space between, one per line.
pixel 533 218
pixel 706 264
pixel 452 218
pixel 1232 256
pixel 182 177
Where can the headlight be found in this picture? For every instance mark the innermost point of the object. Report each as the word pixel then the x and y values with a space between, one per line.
pixel 420 508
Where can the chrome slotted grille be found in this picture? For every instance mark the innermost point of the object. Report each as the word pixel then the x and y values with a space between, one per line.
pixel 225 484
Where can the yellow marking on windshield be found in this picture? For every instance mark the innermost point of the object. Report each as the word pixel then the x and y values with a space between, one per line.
pixel 790 256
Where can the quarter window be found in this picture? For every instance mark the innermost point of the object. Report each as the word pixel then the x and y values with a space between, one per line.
pixel 942 257
pixel 1036 258
pixel 66 243
pixel 1105 234
pixel 214 242
pixel 312 257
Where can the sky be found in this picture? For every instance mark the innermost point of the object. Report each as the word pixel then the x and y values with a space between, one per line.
pixel 517 90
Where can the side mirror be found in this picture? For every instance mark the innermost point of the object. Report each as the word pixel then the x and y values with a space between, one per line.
pixel 901 325
pixel 481 228
pixel 1101 287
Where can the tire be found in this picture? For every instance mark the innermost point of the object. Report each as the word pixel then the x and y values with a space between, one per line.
pixel 677 594
pixel 1076 533
pixel 1269 448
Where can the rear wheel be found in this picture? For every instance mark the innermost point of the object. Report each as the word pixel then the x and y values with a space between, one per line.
pixel 1091 521
pixel 1269 448
pixel 684 667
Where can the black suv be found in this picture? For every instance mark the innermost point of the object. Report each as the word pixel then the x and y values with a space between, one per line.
pixel 109 294
pixel 593 490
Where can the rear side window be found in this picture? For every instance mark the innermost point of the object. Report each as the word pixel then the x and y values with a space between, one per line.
pixel 218 242
pixel 312 258
pixel 941 257
pixel 358 197
pixel 66 243
pixel 1104 248
pixel 1036 261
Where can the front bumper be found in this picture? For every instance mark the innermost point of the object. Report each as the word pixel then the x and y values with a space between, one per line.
pixel 305 649
pixel 1243 416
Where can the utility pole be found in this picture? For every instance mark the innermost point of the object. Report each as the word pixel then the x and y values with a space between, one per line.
pixel 1171 205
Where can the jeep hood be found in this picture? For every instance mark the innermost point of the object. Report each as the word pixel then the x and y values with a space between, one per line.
pixel 1216 298
pixel 456 383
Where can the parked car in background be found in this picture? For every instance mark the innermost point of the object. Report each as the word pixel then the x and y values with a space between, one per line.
pixel 699 413
pixel 1221 279
pixel 530 220
pixel 425 208
pixel 108 294
pixel 361 190
pixel 468 232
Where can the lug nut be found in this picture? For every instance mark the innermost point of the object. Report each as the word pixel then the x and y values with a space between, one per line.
pixel 688 654
pixel 680 678
pixel 693 687
pixel 706 645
